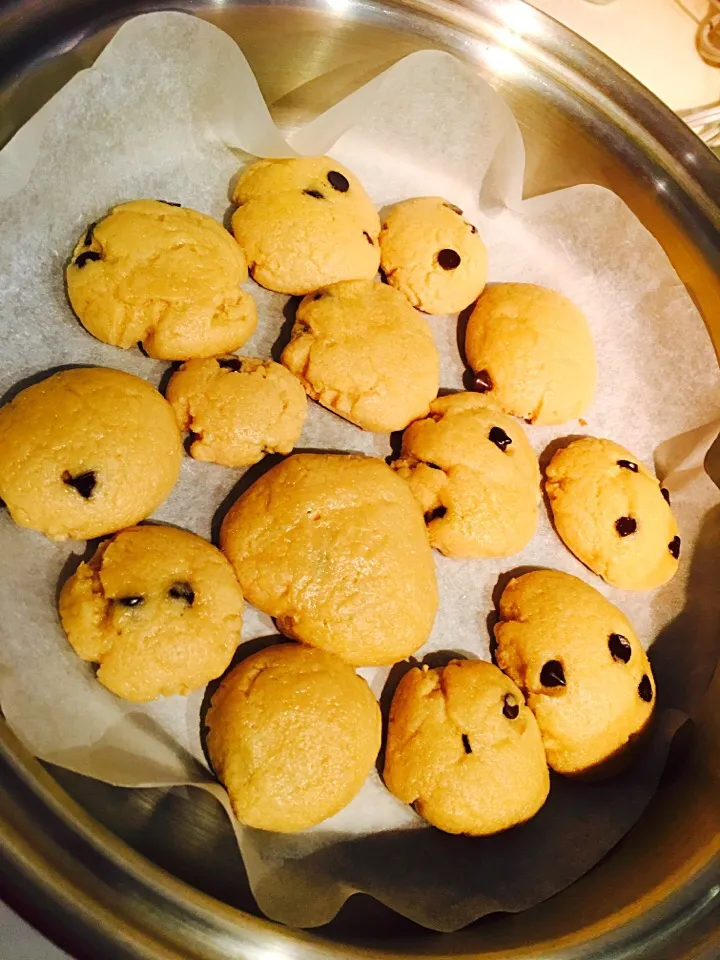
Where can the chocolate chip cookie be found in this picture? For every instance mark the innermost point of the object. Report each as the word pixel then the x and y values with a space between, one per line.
pixel 581 666
pixel 430 253
pixel 613 514
pixel 87 452
pixel 475 475
pixel 163 276
pixel 463 748
pixel 158 609
pixel 305 222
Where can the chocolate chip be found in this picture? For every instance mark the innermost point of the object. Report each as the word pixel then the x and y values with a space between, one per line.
pixel 170 203
pixel 666 494
pixel 482 382
pixel 182 591
pixel 473 228
pixel 130 601
pixel 645 689
pixel 89 233
pixel 625 526
pixel 435 514
pixel 620 647
pixel 674 547
pixel 338 181
pixel 448 259
pixel 314 193
pixel 628 465
pixel 466 743
pixel 499 438
pixel 230 363
pixel 368 238
pixel 86 256
pixel 84 483
pixel 455 209
pixel 552 674
pixel 511 708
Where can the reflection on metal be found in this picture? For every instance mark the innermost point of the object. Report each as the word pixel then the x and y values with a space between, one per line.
pixel 147 874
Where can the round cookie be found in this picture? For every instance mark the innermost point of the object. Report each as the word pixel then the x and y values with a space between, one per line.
pixel 305 222
pixel 335 549
pixel 432 255
pixel 237 408
pixel 164 276
pixel 292 734
pixel 612 513
pixel 157 608
pixel 361 350
pixel 463 748
pixel 475 475
pixel 531 349
pixel 87 452
pixel 581 666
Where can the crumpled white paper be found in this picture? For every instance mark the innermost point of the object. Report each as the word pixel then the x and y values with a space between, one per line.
pixel 165 112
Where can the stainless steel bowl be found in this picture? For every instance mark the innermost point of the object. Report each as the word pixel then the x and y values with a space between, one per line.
pixel 111 873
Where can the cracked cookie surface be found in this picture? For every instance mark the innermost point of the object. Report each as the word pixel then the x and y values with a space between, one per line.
pixel 292 733
pixel 335 549
pixel 86 452
pixel 463 748
pixel 159 609
pixel 164 276
pixel 612 513
pixel 531 349
pixel 432 255
pixel 305 222
pixel 362 351
pixel 579 662
pixel 475 475
pixel 237 409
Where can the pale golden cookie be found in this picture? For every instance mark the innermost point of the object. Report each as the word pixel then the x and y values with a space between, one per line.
pixel 612 513
pixel 237 408
pixel 475 475
pixel 87 452
pixel 335 549
pixel 361 350
pixel 292 734
pixel 582 668
pixel 463 748
pixel 531 349
pixel 304 223
pixel 164 276
pixel 432 255
pixel 157 608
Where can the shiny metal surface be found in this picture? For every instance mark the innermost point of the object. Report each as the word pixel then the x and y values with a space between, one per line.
pixel 111 873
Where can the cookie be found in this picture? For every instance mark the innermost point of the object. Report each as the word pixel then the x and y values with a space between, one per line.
pixel 531 348
pixel 581 666
pixel 164 276
pixel 237 409
pixel 475 476
pixel 335 549
pixel 432 255
pixel 87 452
pixel 292 733
pixel 463 748
pixel 157 608
pixel 361 350
pixel 613 514
pixel 304 223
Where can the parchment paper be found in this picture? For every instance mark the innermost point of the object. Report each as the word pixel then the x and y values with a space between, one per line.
pixel 157 116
